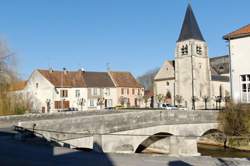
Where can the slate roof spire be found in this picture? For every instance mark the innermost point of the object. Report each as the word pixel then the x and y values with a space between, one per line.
pixel 190 28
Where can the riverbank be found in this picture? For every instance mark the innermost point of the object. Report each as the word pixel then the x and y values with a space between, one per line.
pixel 238 143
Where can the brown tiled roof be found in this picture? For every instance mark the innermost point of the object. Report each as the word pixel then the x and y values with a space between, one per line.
pixel 124 79
pixel 18 86
pixel 242 32
pixel 149 93
pixel 98 79
pixel 64 79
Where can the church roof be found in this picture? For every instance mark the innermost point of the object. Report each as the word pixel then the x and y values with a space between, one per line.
pixel 190 28
pixel 242 32
pixel 220 65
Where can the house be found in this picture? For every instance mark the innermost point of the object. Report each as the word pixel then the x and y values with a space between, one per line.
pixel 192 79
pixel 129 92
pixel 239 52
pixel 52 91
pixel 101 90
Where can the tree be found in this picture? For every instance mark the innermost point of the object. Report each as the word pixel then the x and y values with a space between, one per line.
pixel 206 100
pixel 145 98
pixel 178 99
pixel 9 104
pixel 100 101
pixel 218 99
pixel 159 99
pixel 147 79
pixel 234 120
pixel 194 99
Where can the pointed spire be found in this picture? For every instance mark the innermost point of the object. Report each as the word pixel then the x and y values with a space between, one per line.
pixel 190 28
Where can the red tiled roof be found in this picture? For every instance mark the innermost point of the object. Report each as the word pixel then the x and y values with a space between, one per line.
pixel 241 32
pixel 64 78
pixel 124 79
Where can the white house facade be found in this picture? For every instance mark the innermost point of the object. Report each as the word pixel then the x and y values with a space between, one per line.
pixel 52 91
pixel 239 51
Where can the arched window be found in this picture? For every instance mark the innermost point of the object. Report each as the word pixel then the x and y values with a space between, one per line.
pixel 184 50
pixel 198 50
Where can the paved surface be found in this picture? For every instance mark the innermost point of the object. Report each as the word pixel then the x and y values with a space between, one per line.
pixel 39 153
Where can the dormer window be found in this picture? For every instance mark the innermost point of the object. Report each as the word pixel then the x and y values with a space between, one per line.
pixel 184 50
pixel 198 50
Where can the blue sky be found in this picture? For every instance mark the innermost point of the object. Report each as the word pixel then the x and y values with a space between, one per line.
pixel 131 35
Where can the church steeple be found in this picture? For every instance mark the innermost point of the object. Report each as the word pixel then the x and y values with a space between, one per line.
pixel 190 28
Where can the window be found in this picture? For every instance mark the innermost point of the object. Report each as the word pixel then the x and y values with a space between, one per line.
pixel 198 50
pixel 77 93
pixel 109 103
pixel 167 83
pixel 107 91
pixel 64 93
pixel 36 85
pixel 127 91
pixel 95 91
pixel 133 91
pixel 245 88
pixel 243 78
pixel 122 91
pixel 138 92
pixel 184 50
pixel 91 103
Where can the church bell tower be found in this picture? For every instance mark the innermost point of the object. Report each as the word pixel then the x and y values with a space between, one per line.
pixel 192 69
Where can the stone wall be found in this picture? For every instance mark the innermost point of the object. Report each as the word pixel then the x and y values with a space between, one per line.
pixel 111 122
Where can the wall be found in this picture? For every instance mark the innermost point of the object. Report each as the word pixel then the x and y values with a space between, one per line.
pixel 115 122
pixel 130 95
pixel 240 52
pixel 196 64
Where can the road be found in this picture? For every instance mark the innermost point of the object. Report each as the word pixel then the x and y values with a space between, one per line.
pixel 37 152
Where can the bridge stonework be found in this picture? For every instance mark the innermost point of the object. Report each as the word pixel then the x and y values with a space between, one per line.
pixel 132 131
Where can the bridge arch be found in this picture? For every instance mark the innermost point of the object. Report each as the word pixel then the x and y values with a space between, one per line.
pixel 211 131
pixel 151 140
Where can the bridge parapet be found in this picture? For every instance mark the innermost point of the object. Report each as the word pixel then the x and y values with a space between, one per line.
pixel 115 122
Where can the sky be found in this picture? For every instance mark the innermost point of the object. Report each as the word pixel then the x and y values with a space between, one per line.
pixel 126 35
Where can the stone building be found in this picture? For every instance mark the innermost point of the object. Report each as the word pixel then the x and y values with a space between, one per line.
pixel 192 80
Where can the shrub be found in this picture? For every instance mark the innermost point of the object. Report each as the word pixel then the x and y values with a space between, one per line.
pixel 234 120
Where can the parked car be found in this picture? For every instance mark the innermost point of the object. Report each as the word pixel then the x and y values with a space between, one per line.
pixel 169 107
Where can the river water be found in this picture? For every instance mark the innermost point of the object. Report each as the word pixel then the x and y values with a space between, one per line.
pixel 217 151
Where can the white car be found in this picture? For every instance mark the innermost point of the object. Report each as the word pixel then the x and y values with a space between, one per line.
pixel 169 107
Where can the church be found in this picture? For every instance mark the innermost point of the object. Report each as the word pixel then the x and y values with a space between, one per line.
pixel 192 79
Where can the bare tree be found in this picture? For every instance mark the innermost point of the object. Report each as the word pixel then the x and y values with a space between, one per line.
pixel 194 100
pixel 206 100
pixel 147 79
pixel 159 99
pixel 178 99
pixel 100 101
pixel 8 75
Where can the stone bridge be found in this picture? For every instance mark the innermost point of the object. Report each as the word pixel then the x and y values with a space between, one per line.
pixel 174 132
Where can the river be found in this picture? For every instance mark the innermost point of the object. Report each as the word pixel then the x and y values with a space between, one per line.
pixel 217 151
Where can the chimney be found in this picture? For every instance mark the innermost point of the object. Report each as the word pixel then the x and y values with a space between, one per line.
pixel 64 70
pixel 50 70
pixel 82 70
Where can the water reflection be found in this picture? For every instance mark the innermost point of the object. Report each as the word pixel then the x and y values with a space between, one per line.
pixel 217 151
